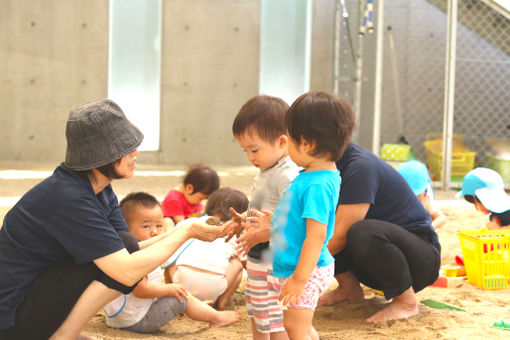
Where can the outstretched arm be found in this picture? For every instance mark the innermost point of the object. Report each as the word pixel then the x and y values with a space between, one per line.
pixel 346 216
pixel 128 268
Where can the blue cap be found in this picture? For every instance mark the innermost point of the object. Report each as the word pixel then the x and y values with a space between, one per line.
pixel 416 175
pixel 479 178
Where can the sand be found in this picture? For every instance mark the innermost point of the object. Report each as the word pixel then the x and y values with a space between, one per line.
pixel 342 321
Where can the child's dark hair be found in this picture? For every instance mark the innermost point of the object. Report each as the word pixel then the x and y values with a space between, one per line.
pixel 203 178
pixel 470 198
pixel 135 199
pixel 326 121
pixel 263 115
pixel 219 203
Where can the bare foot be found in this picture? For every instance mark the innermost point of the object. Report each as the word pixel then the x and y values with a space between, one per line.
pixel 221 303
pixel 348 290
pixel 402 306
pixel 225 318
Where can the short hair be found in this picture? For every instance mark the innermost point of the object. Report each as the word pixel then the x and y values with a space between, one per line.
pixel 203 178
pixel 324 120
pixel 219 203
pixel 136 200
pixel 108 170
pixel 470 198
pixel 263 115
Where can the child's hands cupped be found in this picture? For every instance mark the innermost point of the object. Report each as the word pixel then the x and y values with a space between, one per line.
pixel 206 232
pixel 260 219
pixel 176 290
pixel 291 292
pixel 247 241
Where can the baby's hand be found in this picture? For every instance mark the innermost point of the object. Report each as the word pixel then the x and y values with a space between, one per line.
pixel 174 289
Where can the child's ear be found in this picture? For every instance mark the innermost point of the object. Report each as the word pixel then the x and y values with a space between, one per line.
pixel 283 141
pixel 188 188
pixel 307 145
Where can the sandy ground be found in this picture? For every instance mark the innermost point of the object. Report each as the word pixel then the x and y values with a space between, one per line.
pixel 343 321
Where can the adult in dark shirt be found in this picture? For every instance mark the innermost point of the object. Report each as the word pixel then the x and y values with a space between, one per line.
pixel 383 237
pixel 65 249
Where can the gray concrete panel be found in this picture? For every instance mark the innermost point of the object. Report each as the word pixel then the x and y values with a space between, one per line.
pixel 210 66
pixel 53 55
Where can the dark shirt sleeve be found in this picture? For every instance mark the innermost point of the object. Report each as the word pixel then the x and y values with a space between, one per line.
pixel 83 229
pixel 360 181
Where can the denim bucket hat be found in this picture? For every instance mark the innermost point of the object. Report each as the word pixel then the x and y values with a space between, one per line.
pixel 416 175
pixel 98 133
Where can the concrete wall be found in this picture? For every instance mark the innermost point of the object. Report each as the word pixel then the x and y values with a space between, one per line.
pixel 53 55
pixel 210 66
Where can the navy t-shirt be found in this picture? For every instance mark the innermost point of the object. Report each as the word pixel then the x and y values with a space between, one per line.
pixel 368 179
pixel 61 217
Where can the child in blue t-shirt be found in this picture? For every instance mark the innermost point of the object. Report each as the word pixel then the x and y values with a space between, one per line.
pixel 303 221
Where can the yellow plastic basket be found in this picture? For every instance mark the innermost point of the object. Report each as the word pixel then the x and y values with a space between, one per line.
pixel 463 159
pixel 486 257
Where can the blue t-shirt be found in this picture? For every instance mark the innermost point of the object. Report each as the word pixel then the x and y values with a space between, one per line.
pixel 61 217
pixel 368 179
pixel 312 195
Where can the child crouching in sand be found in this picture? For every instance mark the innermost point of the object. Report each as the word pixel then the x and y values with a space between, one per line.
pixel 153 303
pixel 211 271
pixel 485 189
pixel 303 221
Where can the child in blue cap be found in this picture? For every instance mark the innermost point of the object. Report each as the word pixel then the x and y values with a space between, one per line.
pixel 485 189
pixel 417 176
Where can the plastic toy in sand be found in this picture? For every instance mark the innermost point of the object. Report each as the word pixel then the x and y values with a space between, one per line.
pixel 502 324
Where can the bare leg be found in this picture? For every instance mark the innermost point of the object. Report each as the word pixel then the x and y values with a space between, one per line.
pixel 95 296
pixel 298 323
pixel 348 290
pixel 233 276
pixel 169 273
pixel 401 307
pixel 256 335
pixel 201 311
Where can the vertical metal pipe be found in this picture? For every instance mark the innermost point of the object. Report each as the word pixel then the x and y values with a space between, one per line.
pixel 378 78
pixel 336 48
pixel 449 97
pixel 359 77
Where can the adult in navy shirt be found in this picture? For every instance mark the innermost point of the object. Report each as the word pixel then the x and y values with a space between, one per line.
pixel 383 237
pixel 65 249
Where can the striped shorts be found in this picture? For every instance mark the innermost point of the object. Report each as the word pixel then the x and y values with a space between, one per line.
pixel 261 293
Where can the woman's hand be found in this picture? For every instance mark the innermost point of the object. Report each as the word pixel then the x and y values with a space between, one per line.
pixel 292 291
pixel 176 290
pixel 205 232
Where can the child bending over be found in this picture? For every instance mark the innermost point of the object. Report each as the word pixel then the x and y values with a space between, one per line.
pixel 211 271
pixel 259 128
pixel 417 176
pixel 485 189
pixel 153 303
pixel 304 219
pixel 185 200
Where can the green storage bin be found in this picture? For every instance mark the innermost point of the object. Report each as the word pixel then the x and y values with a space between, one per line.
pixel 501 166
